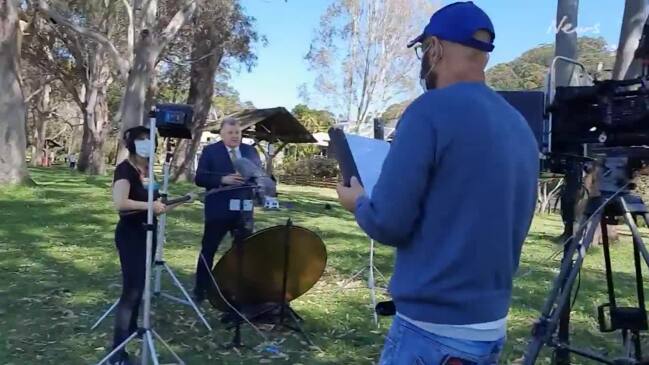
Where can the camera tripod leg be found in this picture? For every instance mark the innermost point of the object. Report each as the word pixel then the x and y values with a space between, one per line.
pixel 166 345
pixel 296 321
pixel 352 278
pixel 637 344
pixel 187 296
pixel 148 345
pixel 545 327
pixel 371 283
pixel 380 274
pixel 118 348
pixel 636 233
pixel 639 250
pixel 105 315
pixel 627 341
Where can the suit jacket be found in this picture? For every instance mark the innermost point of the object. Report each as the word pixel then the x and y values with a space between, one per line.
pixel 213 164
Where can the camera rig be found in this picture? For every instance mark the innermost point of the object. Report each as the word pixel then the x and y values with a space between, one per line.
pixel 610 113
pixel 569 121
pixel 605 125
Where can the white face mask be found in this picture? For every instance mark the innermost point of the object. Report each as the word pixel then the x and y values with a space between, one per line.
pixel 142 147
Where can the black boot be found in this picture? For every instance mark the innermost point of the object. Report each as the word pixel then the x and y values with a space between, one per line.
pixel 198 296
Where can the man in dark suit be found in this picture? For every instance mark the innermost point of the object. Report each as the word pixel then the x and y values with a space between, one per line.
pixel 216 170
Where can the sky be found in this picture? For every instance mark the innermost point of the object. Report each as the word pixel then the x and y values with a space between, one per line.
pixel 289 27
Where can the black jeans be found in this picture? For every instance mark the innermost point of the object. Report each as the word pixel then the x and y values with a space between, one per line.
pixel 130 239
pixel 213 234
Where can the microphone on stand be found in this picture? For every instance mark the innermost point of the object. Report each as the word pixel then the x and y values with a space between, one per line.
pixel 266 186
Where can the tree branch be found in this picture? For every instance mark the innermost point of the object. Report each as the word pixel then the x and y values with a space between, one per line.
pixel 54 137
pixel 178 20
pixel 278 150
pixel 131 30
pixel 72 90
pixel 40 88
pixel 149 9
pixel 122 64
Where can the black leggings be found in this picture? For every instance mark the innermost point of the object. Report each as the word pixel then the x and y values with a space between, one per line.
pixel 130 239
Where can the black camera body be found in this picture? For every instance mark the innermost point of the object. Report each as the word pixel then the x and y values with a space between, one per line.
pixel 608 114
pixel 581 121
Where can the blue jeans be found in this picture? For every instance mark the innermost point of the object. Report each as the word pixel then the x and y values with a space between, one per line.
pixel 407 344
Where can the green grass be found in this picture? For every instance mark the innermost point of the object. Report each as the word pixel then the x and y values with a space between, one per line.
pixel 59 272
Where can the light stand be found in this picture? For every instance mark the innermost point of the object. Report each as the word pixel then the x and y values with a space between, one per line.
pixel 146 332
pixel 379 133
pixel 160 264
pixel 371 281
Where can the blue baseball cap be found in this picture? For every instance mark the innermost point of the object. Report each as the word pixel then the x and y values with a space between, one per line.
pixel 458 23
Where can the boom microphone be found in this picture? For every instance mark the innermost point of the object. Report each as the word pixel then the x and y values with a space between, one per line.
pixel 187 198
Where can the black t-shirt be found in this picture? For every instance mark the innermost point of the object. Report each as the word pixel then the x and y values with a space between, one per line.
pixel 138 192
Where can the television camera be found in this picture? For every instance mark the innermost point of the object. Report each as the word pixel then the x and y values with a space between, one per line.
pixel 602 125
pixel 582 119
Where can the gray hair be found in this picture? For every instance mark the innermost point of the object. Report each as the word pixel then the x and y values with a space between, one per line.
pixel 229 121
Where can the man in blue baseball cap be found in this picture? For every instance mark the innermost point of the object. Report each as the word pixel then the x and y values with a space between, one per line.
pixel 465 33
pixel 456 197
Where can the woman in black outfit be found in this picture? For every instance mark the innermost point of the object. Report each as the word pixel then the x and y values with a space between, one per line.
pixel 130 195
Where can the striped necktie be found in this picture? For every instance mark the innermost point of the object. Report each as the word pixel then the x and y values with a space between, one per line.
pixel 233 154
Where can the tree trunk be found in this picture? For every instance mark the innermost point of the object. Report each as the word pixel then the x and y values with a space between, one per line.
pixel 13 140
pixel 91 156
pixel 270 157
pixel 39 141
pixel 201 91
pixel 40 126
pixel 635 15
pixel 133 109
pixel 76 131
pixel 566 38
pixel 148 48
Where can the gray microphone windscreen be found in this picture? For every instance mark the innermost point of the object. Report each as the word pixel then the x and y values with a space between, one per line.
pixel 247 168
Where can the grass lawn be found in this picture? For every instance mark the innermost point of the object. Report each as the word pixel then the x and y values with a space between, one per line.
pixel 59 272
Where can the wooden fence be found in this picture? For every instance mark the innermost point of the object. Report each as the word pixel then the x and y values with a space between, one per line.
pixel 303 180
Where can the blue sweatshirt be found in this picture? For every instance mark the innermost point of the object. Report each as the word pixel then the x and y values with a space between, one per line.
pixel 456 197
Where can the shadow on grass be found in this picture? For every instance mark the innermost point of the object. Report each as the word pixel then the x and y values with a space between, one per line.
pixel 58 260
pixel 58 257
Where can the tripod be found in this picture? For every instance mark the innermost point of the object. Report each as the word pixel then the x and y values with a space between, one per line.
pixel 273 306
pixel 283 305
pixel 612 205
pixel 371 280
pixel 146 333
pixel 244 226
pixel 160 264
